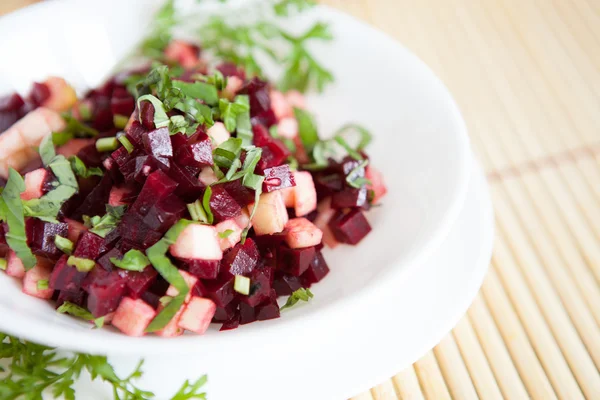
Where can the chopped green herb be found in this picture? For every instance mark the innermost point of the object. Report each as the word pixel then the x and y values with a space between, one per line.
pixel 126 143
pixel 206 205
pixel 364 136
pixel 120 121
pixel 80 169
pixel 102 226
pixel 243 124
pixel 241 284
pixel 227 152
pixel 307 129
pixel 197 212
pixel 61 138
pixel 46 150
pixel 42 284
pixel 191 390
pixel 199 90
pixel 133 260
pixel 47 207
pixel 355 177
pixel 353 153
pixel 165 300
pixel 3 264
pixel 161 119
pixel 79 312
pixel 284 7
pixel 64 244
pixel 225 234
pixel 230 111
pixel 300 294
pixel 77 128
pixel 61 168
pixel 107 144
pixel 85 112
pixel 82 264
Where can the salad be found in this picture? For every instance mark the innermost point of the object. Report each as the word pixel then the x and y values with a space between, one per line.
pixel 179 194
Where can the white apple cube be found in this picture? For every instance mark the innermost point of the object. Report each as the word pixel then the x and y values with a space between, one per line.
pixel 218 134
pixel 34 184
pixel 325 213
pixel 14 265
pixel 132 317
pixel 207 176
pixel 40 272
pixel 295 99
pixel 197 315
pixel 280 106
pixel 172 329
pixel 301 233
pixel 271 214
pixel 230 233
pixel 305 194
pixel 198 242
pixel 288 128
pixel 116 196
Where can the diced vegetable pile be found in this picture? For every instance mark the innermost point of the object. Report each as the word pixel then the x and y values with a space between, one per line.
pixel 179 195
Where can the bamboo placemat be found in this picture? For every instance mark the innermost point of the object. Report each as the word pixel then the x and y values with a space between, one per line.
pixel 526 74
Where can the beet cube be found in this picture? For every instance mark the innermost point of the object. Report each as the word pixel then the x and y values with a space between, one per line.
pixel 267 311
pixel 41 235
pixel 241 194
pixel 328 184
pixel 350 197
pixel 144 166
pixel 349 228
pixel 136 133
pixel 137 232
pixel 203 269
pixel 197 151
pixel 279 177
pixel 105 291
pixel 40 92
pixel 105 262
pixel 89 246
pixel 221 290
pixel 295 261
pixel 242 259
pixel 139 282
pixel 269 243
pixel 121 156
pixel 151 298
pixel 90 155
pixel 258 92
pixel 147 114
pixel 189 188
pixel 11 102
pixel 261 135
pixel 349 164
pixel 95 202
pixel 222 204
pixel 122 103
pixel 260 287
pixel 158 143
pixel 65 277
pixel 247 314
pixel 286 284
pixel 317 270
pixel 165 214
pixel 266 118
pixel 77 297
pixel 232 323
pixel 230 69
pixel 157 187
pixel 223 314
pixel 274 153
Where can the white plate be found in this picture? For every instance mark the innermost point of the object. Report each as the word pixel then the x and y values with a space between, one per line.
pixel 345 358
pixel 420 143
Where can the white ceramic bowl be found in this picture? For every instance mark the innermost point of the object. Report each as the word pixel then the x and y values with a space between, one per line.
pixel 420 144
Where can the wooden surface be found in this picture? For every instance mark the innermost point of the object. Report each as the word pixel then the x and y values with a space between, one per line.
pixel 526 74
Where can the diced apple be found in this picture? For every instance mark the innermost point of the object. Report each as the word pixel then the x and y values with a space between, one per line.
pixel 288 128
pixel 207 176
pixel 229 239
pixel 295 99
pixel 218 134
pixel 132 317
pixel 41 271
pixel 301 233
pixel 198 242
pixel 108 318
pixel 73 146
pixel 189 279
pixel 184 53
pixel 280 105
pixel 325 213
pixel 197 315
pixel 234 84
pixel 172 329
pixel 271 214
pixel 14 267
pixel 62 95
pixel 34 184
pixel 377 184
pixel 305 194
pixel 75 229
pixel 289 196
pixel 116 196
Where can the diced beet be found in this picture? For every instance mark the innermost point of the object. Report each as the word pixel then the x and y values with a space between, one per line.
pixel 151 298
pixel 41 235
pixel 122 103
pixel 147 115
pixel 222 204
pixel 295 261
pixel 165 213
pixel 158 186
pixel 247 314
pixel 230 69
pixel 158 144
pixel 40 92
pixel 262 136
pixel 261 281
pixel 137 232
pixel 349 164
pixel 204 269
pixel 95 202
pixel 286 284
pixel 349 228
pixel 258 92
pixel 274 153
pixel 189 188
pixel 349 198
pixel 11 102
pixel 105 291
pixel 242 259
pixel 223 314
pixel 317 270
pixel 136 132
pixel 89 246
pixel 279 177
pixel 267 118
pixel 65 277
pixel 139 282
pixel 199 290
pixel 112 169
pixel 242 195
pixel 269 242
pixel 221 290
pixel 105 262
pixel 197 151
pixel 121 156
pixel 77 297
pixel 232 323
pixel 144 166
pixel 90 155
pixel 267 311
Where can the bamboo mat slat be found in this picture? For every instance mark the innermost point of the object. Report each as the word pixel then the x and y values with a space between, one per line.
pixel 526 75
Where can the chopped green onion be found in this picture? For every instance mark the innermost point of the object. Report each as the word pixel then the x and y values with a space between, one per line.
pixel 241 284
pixel 165 300
pixel 225 234
pixel 120 121
pixel 60 138
pixel 133 260
pixel 82 264
pixel 197 212
pixel 64 244
pixel 42 284
pixel 107 144
pixel 80 312
pixel 85 112
pixel 3 264
pixel 125 142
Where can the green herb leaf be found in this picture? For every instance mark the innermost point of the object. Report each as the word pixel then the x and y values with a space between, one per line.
pixel 307 129
pixel 82 264
pixel 102 226
pixel 80 169
pixel 230 111
pixel 133 260
pixel 161 119
pixel 11 209
pixel 243 124
pixel 191 390
pixel 42 284
pixel 46 150
pixel 197 212
pixel 64 244
pixel 300 294
pixel 199 90
pixel 227 152
pixel 206 205
pixel 355 176
pixel 61 138
pixel 225 234
pixel 48 206
pixel 285 7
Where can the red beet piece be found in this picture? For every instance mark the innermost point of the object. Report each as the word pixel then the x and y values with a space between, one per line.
pixel 261 281
pixel 136 132
pixel 279 177
pixel 65 277
pixel 90 156
pixel 144 166
pixel 220 290
pixel 121 156
pixel 261 135
pixel 147 115
pixel 286 284
pixel 203 269
pixel 258 92
pixel 233 323
pixel 105 262
pixel 267 311
pixel 349 228
pixel 158 144
pixel 242 259
pixel 89 246
pixel 247 314
pixel 151 298
pixel 295 261
pixel 223 314
pixel 10 110
pixel 189 187
pixel 317 270
pixel 266 118
pixel 165 214
pixel 95 202
pixel 77 297
pixel 241 194
pixel 350 197
pixel 158 186
pixel 268 243
pixel 348 164
pixel 222 204
pixel 274 153
pixel 230 69
pixel 122 103
pixel 40 92
pixel 136 232
pixel 40 236
pixel 138 283
pixel 327 184
pixel 195 151
pixel 105 291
